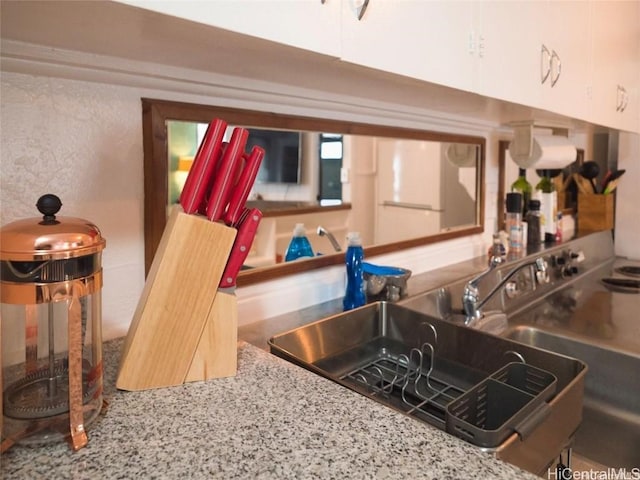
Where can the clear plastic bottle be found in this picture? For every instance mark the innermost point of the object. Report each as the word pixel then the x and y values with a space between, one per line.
pixel 523 186
pixel 354 296
pixel 513 222
pixel 299 245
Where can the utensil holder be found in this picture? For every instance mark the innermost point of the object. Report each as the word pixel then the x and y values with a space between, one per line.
pixel 595 212
pixel 513 399
pixel 183 329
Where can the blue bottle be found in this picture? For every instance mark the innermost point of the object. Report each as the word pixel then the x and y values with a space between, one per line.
pixel 299 245
pixel 355 295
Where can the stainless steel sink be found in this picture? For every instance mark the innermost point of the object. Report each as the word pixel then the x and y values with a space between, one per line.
pixel 610 430
pixel 419 365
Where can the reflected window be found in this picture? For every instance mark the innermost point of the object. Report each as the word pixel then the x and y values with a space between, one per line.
pixel 331 153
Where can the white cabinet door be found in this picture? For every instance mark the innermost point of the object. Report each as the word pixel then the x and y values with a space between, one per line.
pixel 307 24
pixel 566 33
pixel 426 40
pixel 536 54
pixel 510 64
pixel 616 64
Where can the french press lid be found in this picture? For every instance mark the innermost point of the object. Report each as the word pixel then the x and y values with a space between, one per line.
pixel 49 237
pixel 49 249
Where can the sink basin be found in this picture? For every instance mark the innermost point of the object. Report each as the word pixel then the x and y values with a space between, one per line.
pixel 610 430
pixel 421 365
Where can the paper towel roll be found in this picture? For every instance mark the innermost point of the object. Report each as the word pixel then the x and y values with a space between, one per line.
pixel 548 152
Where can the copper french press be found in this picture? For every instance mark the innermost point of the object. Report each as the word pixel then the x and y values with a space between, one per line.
pixel 50 319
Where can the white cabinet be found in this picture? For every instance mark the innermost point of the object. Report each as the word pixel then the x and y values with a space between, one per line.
pixel 510 67
pixel 498 49
pixel 616 64
pixel 308 24
pixel 565 33
pixel 536 54
pixel 426 40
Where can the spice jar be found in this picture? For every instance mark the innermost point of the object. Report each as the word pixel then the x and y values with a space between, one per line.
pixel 513 222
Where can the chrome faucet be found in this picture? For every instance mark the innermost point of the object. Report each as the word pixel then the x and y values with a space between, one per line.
pixel 324 232
pixel 471 297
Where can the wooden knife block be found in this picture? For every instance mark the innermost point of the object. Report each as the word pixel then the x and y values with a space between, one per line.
pixel 183 329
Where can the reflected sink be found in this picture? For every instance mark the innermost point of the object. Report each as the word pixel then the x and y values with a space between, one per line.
pixel 420 365
pixel 610 429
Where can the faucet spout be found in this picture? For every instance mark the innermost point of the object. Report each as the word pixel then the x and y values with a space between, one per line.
pixel 471 297
pixel 324 232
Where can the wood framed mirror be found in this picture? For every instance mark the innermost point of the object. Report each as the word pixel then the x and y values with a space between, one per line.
pixel 460 159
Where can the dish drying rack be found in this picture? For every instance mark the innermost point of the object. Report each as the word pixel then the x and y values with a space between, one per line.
pixel 512 399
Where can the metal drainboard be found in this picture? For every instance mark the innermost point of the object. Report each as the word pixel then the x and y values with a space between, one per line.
pixel 404 384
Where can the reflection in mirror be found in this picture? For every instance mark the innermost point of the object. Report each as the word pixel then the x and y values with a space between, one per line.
pixel 398 187
pixel 564 184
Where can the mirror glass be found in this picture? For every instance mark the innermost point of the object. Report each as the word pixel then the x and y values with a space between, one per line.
pixel 397 187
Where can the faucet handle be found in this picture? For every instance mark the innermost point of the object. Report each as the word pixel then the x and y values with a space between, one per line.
pixel 542 270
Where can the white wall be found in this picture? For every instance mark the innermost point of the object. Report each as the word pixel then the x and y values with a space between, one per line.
pixel 83 142
pixel 627 237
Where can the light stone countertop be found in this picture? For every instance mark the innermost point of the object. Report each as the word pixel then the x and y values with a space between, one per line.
pixel 272 420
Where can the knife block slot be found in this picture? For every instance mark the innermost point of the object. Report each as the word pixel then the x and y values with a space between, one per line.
pixel 183 329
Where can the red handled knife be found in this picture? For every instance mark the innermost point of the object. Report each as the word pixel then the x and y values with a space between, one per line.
pixel 240 192
pixel 204 165
pixel 247 227
pixel 226 174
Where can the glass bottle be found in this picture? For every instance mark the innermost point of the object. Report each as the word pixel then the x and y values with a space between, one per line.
pixel 299 245
pixel 523 186
pixel 548 206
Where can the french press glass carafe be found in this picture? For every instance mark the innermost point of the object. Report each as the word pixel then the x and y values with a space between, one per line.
pixel 50 318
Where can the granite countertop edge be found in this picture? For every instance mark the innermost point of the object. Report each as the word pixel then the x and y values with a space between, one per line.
pixel 271 420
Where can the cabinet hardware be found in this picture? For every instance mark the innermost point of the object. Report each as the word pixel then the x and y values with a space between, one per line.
pixel 361 7
pixel 622 99
pixel 558 69
pixel 545 63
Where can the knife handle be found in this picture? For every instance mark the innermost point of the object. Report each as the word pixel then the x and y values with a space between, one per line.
pixel 241 246
pixel 199 177
pixel 240 192
pixel 226 174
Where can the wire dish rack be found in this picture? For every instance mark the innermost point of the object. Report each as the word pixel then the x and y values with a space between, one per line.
pixel 482 410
